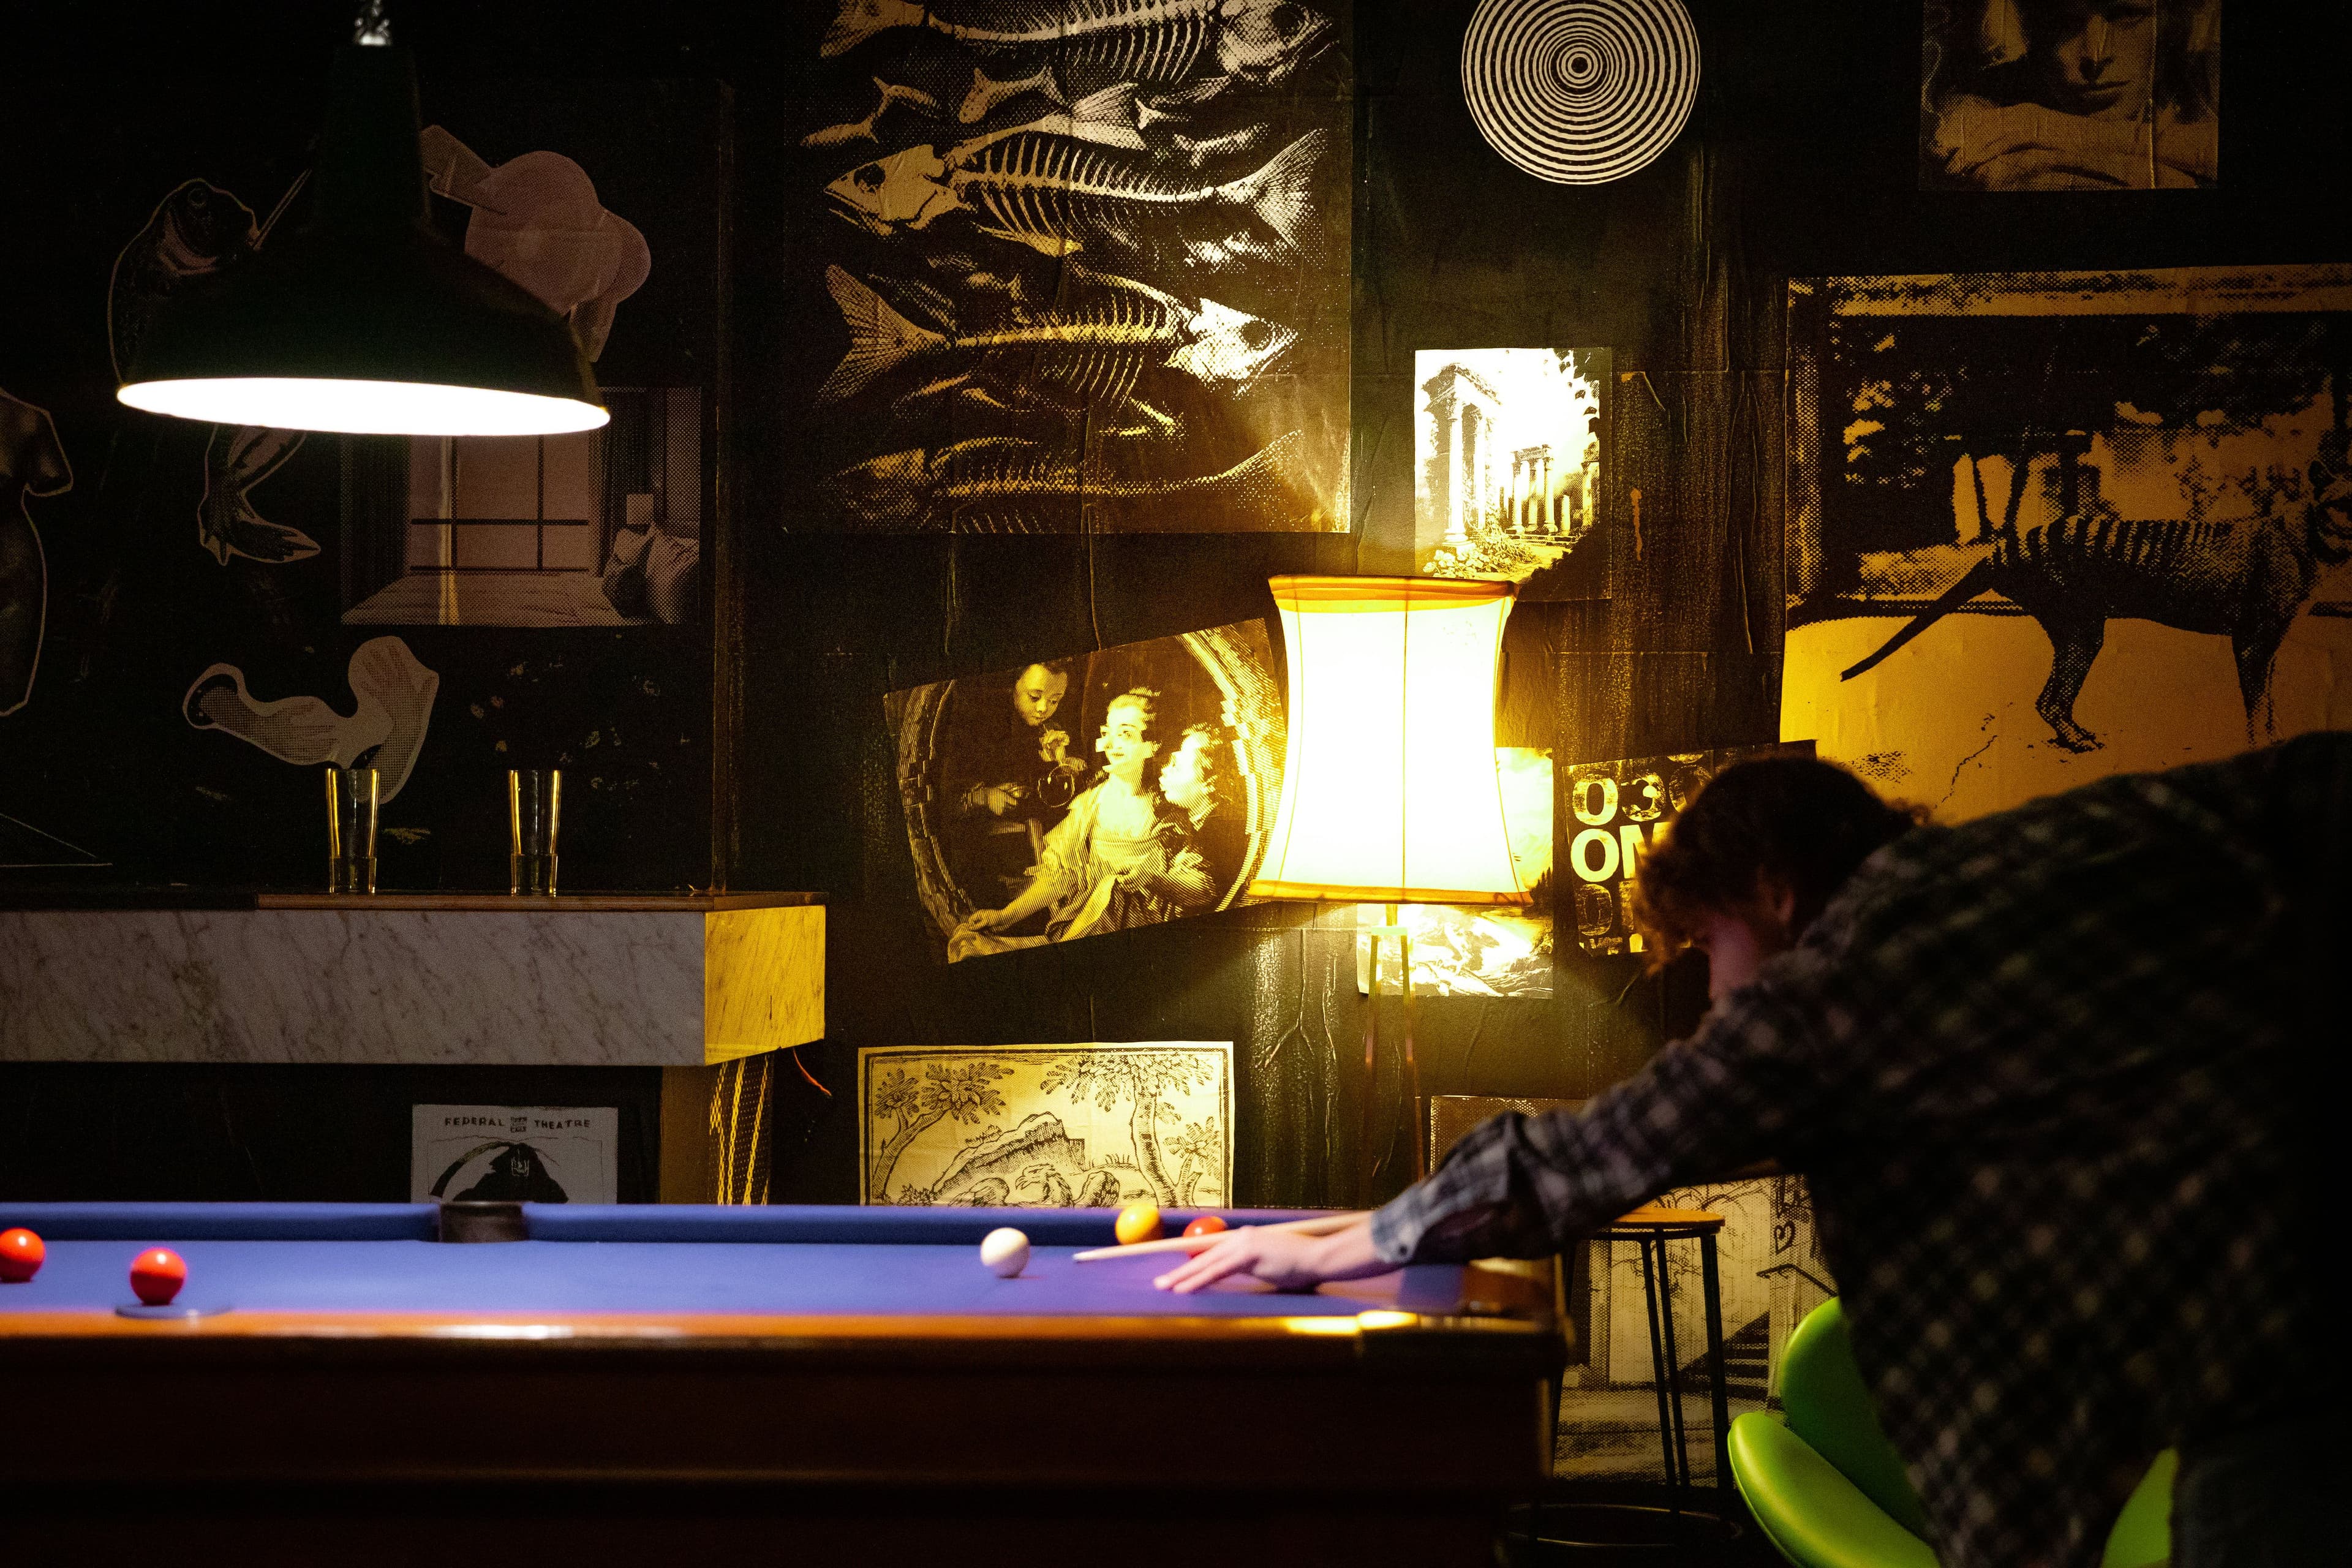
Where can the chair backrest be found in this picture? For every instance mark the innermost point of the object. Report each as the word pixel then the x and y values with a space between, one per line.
pixel 1829 1406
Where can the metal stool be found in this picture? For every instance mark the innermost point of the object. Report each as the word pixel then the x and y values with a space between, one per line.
pixel 1650 1228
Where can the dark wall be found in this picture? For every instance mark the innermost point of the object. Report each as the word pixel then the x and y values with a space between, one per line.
pixel 1799 161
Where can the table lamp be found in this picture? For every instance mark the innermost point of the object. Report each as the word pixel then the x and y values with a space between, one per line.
pixel 366 321
pixel 1390 793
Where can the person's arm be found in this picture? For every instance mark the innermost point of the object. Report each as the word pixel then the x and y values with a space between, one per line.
pixel 1058 871
pixel 1527 1187
pixel 1281 1258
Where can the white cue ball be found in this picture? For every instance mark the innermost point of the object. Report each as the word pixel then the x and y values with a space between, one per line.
pixel 1004 1252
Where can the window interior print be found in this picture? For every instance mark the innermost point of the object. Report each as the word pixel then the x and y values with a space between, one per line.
pixel 598 528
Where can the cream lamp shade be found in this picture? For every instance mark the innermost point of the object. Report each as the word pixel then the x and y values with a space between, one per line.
pixel 1389 788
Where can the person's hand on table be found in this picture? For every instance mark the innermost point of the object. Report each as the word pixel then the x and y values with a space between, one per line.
pixel 1283 1258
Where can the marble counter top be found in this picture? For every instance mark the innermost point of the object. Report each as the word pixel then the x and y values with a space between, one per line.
pixel 621 980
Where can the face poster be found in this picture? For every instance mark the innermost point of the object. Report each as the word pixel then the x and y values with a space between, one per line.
pixel 1069 268
pixel 2050 527
pixel 2071 95
pixel 1071 797
pixel 1096 1125
pixel 1507 448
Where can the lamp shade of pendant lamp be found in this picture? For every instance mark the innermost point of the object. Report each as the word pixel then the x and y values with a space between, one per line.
pixel 1389 788
pixel 366 321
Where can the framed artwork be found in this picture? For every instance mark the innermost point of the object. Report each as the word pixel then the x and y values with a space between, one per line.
pixel 1095 1125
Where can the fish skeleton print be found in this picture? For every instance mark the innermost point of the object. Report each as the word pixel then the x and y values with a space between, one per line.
pixel 1090 354
pixel 1061 194
pixel 1158 43
pixel 1003 485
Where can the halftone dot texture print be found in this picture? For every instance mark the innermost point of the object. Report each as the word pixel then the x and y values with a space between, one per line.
pixel 1581 92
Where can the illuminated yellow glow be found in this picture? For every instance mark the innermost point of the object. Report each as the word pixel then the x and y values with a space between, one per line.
pixel 1389 792
pixel 1386 1320
pixel 501 1331
pixel 363 407
pixel 1320 1325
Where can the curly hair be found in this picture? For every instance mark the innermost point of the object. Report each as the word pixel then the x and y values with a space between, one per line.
pixel 1805 822
pixel 1216 760
pixel 1145 702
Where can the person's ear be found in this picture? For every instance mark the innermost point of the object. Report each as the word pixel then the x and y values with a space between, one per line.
pixel 1777 897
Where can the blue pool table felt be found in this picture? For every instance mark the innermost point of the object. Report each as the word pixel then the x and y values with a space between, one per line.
pixel 918 1264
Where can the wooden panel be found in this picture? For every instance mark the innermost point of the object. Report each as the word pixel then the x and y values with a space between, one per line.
pixel 686 1142
pixel 762 980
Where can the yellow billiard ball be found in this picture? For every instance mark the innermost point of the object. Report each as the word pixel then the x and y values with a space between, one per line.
pixel 1138 1222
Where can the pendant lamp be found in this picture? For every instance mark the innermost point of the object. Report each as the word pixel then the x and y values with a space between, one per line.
pixel 366 321
pixel 1390 792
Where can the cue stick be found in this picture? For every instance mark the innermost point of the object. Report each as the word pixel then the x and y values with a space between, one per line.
pixel 1320 1224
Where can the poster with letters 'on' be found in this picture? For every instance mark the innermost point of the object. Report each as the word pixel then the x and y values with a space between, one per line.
pixel 1613 813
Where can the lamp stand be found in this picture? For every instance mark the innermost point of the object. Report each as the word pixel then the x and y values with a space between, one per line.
pixel 1371 1145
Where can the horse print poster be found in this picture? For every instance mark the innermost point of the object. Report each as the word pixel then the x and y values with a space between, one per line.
pixel 2047 527
pixel 1075 796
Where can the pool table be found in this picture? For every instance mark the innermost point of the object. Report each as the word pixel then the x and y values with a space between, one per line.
pixel 653 1383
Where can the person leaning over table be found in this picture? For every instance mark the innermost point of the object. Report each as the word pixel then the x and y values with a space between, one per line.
pixel 2052 1076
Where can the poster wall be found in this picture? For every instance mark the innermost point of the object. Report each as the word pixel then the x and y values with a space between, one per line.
pixel 2043 527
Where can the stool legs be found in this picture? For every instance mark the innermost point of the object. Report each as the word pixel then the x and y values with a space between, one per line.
pixel 1658 1368
pixel 1681 1476
pixel 1721 1401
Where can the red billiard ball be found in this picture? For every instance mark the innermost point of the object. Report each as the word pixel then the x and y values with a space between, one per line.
pixel 1207 1224
pixel 156 1276
pixel 21 1253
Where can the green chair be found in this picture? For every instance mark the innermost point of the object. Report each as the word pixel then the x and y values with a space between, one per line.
pixel 1827 1490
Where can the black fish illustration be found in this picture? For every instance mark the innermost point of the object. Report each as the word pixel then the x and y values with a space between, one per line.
pixel 1060 193
pixel 193 232
pixel 1093 352
pixel 1004 485
pixel 1092 43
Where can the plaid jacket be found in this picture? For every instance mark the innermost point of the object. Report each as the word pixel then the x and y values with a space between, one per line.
pixel 2053 1078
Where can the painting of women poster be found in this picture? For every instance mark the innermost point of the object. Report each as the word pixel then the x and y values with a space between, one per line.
pixel 1075 796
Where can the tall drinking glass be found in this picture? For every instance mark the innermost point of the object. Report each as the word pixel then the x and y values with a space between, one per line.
pixel 350 830
pixel 534 796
